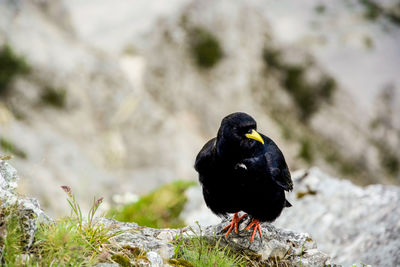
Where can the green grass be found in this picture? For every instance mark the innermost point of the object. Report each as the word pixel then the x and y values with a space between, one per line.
pixel 11 235
pixel 203 253
pixel 79 240
pixel 11 66
pixel 198 251
pixel 195 250
pixel 159 209
pixel 71 241
pixel 64 243
pixel 205 47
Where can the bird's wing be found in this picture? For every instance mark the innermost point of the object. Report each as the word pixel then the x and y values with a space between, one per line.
pixel 277 167
pixel 205 158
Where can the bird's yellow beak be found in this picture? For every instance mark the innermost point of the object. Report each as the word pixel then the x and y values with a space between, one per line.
pixel 256 136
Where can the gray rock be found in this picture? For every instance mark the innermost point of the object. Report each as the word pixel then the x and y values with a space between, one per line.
pixel 288 246
pixel 156 240
pixel 27 209
pixel 155 259
pixel 8 177
pixel 353 223
pixel 8 183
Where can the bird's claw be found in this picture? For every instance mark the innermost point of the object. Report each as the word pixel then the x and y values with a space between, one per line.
pixel 234 224
pixel 256 224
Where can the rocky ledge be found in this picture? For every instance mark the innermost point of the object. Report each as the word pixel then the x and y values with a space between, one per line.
pixel 160 245
pixel 355 224
pixel 276 245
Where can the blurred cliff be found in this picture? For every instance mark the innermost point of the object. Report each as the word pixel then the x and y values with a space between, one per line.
pixel 112 97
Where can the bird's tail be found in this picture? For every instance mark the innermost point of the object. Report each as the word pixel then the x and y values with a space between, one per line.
pixel 287 204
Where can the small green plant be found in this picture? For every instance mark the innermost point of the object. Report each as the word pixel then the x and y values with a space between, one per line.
pixel 199 251
pixel 205 47
pixel 9 147
pixel 54 97
pixel 63 243
pixel 11 235
pixel 71 241
pixel 159 209
pixel 11 65
pixel 95 234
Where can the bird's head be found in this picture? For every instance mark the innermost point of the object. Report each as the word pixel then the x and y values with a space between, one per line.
pixel 237 136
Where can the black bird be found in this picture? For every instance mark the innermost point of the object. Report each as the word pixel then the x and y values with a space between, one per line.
pixel 242 170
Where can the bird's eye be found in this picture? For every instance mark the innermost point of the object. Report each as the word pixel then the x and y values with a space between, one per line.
pixel 249 130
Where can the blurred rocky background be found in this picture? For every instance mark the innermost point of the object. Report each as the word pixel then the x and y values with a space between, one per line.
pixel 117 97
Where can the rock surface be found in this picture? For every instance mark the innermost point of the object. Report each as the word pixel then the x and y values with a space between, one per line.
pixel 292 248
pixel 150 239
pixel 352 223
pixel 28 209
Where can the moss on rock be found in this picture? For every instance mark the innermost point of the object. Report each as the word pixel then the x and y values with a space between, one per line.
pixel 205 47
pixel 121 259
pixel 11 65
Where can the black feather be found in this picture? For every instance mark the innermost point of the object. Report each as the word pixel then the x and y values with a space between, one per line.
pixel 241 174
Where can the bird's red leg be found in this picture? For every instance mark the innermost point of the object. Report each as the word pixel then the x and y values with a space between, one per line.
pixel 256 224
pixel 234 224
